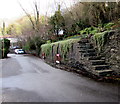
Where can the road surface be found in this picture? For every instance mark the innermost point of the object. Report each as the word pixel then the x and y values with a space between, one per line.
pixel 27 78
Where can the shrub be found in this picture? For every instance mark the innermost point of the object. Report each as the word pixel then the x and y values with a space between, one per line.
pixel 108 26
pixel 4 48
pixel 29 45
pixel 48 41
pixel 34 44
pixel 90 30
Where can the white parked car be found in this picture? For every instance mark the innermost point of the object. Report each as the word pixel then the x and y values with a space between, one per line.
pixel 19 51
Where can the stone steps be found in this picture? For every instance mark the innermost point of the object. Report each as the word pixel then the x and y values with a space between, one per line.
pixel 103 72
pixel 89 54
pixel 83 51
pixel 84 41
pixel 91 50
pixel 94 58
pixel 88 44
pixel 100 67
pixel 87 51
pixel 84 47
pixel 97 62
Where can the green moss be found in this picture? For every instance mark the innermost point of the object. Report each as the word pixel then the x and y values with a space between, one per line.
pixel 46 48
pixel 74 37
pixel 64 47
pixel 100 39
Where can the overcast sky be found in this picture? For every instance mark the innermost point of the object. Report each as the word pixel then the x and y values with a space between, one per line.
pixel 10 9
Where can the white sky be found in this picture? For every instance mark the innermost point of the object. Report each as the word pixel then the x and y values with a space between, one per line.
pixel 10 9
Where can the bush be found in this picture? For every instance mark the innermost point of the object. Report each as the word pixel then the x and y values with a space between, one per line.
pixel 4 48
pixel 34 44
pixel 90 30
pixel 108 26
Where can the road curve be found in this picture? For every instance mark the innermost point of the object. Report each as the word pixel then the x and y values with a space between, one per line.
pixel 27 78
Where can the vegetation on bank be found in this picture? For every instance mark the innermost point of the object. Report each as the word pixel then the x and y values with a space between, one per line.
pixel 98 35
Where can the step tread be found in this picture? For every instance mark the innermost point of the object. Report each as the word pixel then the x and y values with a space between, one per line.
pixel 90 49
pixel 87 50
pixel 84 41
pixel 97 60
pixel 100 65
pixel 90 54
pixel 94 58
pixel 108 70
pixel 103 72
pixel 82 51
pixel 89 44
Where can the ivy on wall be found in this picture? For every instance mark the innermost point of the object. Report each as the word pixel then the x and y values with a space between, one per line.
pixel 46 48
pixel 64 47
pixel 100 40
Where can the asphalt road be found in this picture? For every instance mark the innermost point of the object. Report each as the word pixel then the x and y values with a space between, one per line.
pixel 27 78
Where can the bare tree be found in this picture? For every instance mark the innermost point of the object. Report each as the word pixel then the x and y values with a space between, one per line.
pixel 35 20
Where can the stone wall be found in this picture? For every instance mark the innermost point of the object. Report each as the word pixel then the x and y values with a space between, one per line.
pixel 112 51
pixel 74 57
pixel 73 54
pixel 88 58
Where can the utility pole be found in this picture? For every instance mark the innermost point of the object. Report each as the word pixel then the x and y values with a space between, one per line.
pixel 3 33
pixel 3 29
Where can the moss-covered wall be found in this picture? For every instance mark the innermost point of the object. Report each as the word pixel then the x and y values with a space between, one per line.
pixel 66 49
